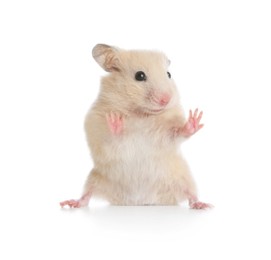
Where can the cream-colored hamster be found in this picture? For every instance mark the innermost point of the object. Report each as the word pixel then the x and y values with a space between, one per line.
pixel 133 131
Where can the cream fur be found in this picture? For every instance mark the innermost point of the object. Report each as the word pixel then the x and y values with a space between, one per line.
pixel 142 165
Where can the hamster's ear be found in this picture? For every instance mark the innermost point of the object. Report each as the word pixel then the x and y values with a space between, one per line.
pixel 107 57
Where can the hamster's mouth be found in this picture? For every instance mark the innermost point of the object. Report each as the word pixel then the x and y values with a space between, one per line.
pixel 147 111
pixel 156 110
pixel 153 111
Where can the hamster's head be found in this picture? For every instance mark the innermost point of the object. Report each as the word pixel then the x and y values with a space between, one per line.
pixel 138 80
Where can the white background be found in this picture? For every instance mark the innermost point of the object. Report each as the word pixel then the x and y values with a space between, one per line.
pixel 221 61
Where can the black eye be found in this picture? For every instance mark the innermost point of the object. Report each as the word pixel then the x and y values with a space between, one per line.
pixel 140 76
pixel 169 75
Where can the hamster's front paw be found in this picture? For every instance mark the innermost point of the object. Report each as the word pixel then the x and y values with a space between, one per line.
pixel 115 123
pixel 193 124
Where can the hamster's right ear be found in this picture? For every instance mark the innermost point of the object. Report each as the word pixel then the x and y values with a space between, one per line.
pixel 107 57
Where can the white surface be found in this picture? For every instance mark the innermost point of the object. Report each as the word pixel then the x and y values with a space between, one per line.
pixel 220 58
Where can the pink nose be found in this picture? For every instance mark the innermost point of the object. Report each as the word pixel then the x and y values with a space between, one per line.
pixel 164 100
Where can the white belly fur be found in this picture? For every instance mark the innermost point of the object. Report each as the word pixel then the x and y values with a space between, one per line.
pixel 139 167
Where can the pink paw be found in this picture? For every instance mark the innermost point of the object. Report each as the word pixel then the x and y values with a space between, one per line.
pixel 71 203
pixel 82 202
pixel 193 124
pixel 115 123
pixel 200 205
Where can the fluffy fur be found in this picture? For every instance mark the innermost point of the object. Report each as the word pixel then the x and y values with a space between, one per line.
pixel 134 130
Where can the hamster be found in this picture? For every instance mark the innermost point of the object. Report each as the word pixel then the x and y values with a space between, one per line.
pixel 134 130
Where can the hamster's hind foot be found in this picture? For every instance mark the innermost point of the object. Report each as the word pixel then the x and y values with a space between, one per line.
pixel 200 205
pixel 71 203
pixel 82 202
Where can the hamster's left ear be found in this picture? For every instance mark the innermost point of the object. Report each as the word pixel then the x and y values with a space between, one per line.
pixel 107 57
